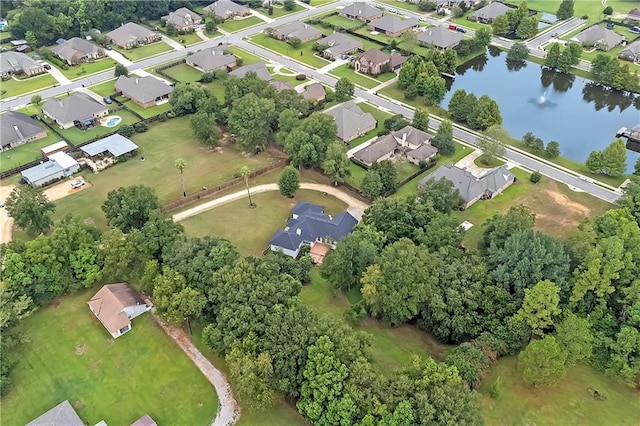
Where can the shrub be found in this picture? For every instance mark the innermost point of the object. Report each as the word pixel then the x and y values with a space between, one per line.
pixel 356 313
pixel 535 177
pixel 207 77
pixel 126 130
pixel 171 114
pixel 301 77
pixel 495 391
pixel 422 164
pixel 141 127
pixel 608 10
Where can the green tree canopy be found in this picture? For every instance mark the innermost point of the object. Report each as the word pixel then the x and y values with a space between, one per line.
pixel 289 181
pixel 129 207
pixel 542 362
pixel 540 306
pixel 251 119
pixel 30 209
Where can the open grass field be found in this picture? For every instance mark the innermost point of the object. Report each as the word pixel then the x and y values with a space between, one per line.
pixel 160 146
pixel 12 87
pixel 187 39
pixel 344 71
pixel 76 136
pixel 149 111
pixel 87 68
pixel 413 7
pixel 26 153
pixel 343 22
pixel 236 221
pixel 104 89
pixel 183 73
pixel 232 25
pixel 379 115
pixel 69 355
pixel 142 52
pixel 279 11
pixel 304 53
pixel 247 57
pixel 567 403
pixel 592 8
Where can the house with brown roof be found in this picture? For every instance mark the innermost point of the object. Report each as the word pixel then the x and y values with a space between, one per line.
pixel 62 414
pixel 338 44
pixel 410 142
pixel 631 52
pixel 225 9
pixel 375 61
pixel 314 92
pixel 351 121
pixel 183 19
pixel 212 58
pixel 18 63
pixel 17 128
pixel 392 25
pixel 115 305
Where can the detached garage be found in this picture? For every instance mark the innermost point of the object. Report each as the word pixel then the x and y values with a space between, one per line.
pixel 60 165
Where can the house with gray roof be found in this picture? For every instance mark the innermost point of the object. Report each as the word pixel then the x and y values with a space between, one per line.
pixel 59 166
pixel 17 128
pixel 339 44
pixel 145 91
pixel 407 142
pixel 79 110
pixel 225 9
pixel 392 25
pixel 440 37
pixel 351 121
pixel 314 92
pixel 77 50
pixel 183 19
pixel 361 10
pixel 62 414
pixel 309 224
pixel 487 14
pixel 113 146
pixel 633 15
pixel 473 188
pixel 131 35
pixel 281 85
pixel 18 63
pixel 631 52
pixel 212 58
pixel 260 68
pixel 297 29
pixel 602 38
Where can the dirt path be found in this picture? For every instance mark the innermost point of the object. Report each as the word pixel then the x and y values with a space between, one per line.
pixel 228 409
pixel 353 202
pixel 6 222
pixel 64 189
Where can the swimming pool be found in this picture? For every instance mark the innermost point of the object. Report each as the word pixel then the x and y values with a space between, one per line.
pixel 111 121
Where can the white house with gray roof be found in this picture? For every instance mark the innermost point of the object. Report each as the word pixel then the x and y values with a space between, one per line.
pixel 440 37
pixel 361 10
pixel 77 50
pixel 59 166
pixel 351 121
pixel 392 25
pixel 18 63
pixel 17 128
pixel 212 58
pixel 62 414
pixel 145 91
pixel 602 38
pixel 131 35
pixel 487 14
pixel 183 19
pixel 260 68
pixel 79 110
pixel 339 44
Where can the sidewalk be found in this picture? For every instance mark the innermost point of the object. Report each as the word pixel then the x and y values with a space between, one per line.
pixel 172 43
pixel 119 58
pixel 57 74
pixel 262 16
pixel 332 65
pixel 200 34
pixel 381 86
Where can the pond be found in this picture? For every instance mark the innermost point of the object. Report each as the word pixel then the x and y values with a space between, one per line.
pixel 580 115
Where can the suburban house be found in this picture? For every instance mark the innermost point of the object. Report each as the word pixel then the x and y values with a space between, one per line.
pixel 77 50
pixel 79 110
pixel 145 420
pixel 408 141
pixel 296 29
pixel 213 58
pixel 17 128
pixel 375 61
pixel 631 52
pixel 131 35
pixel 633 15
pixel 392 25
pixel 310 225
pixel 473 188
pixel 362 11
pixel 115 305
pixel 53 148
pixel 281 85
pixel 487 14
pixel 145 91
pixel 338 45
pixel 225 9
pixel 62 414
pixel 18 63
pixel 260 68
pixel 601 38
pixel 183 19
pixel 113 146
pixel 440 37
pixel 59 166
pixel 314 92
pixel 351 121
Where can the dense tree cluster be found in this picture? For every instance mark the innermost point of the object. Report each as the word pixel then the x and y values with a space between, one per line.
pixel 516 21
pixel 611 161
pixel 479 114
pixel 562 59
pixel 565 10
pixel 420 76
pixel 552 150
pixel 609 71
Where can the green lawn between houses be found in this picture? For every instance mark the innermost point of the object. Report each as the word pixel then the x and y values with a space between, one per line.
pixel 87 68
pixel 142 52
pixel 233 25
pixel 26 153
pixel 11 87
pixel 369 82
pixel 76 136
pixel 279 11
pixel 304 53
pixel 69 355
pixel 184 73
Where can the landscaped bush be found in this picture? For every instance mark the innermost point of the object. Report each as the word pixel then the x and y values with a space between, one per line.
pixel 207 77
pixel 301 77
pixel 141 127
pixel 126 130
pixel 171 114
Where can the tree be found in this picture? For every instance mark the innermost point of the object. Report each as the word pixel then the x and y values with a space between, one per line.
pixel 461 105
pixel 210 26
pixel 251 119
pixel 171 29
pixel 535 177
pixel 174 300
pixel 542 362
pixel 186 97
pixel 344 89
pixel 126 130
pixel 420 119
pixel 450 61
pixel 565 10
pixel 129 207
pixel 485 113
pixel 500 226
pixel 518 52
pixel 336 164
pixel 441 194
pixel 491 144
pixel 205 129
pixel 553 56
pixel 288 120
pixel 30 209
pixel 251 375
pixel 294 42
pixel 552 150
pixel 434 90
pixel 595 161
pixel 443 140
pixel 289 181
pixel 395 122
pixel 615 159
pixel 527 28
pixel 540 306
pixel 180 165
pixel 574 336
pixel 388 175
pixel 372 184
pixel 409 41
pixel 607 10
pixel 427 5
pixel 36 99
pixel 245 172
pixel 500 26
pixel 482 38
pixel 289 5
pixel 307 144
pixel 31 40
pixel 121 70
pixel 471 362
pixel 411 93
pixel 158 235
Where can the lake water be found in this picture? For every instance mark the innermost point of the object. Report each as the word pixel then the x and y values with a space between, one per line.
pixel 571 110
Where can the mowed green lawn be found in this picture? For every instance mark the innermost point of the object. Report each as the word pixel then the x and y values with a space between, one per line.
pixel 87 68
pixel 138 53
pixel 344 71
pixel 566 403
pixel 26 153
pixel 105 89
pixel 69 355
pixel 304 53
pixel 76 136
pixel 183 73
pixel 233 25
pixel 279 11
pixel 11 87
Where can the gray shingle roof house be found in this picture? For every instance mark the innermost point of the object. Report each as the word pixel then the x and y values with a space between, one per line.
pixel 339 44
pixel 351 121
pixel 17 128
pixel 490 12
pixel 408 141
pixel 309 224
pixel 131 35
pixel 18 63
pixel 225 9
pixel 77 50
pixel 633 15
pixel 116 145
pixel 472 188
pixel 361 10
pixel 183 19
pixel 297 29
pixel 78 107
pixel 603 38
pixel 440 37
pixel 145 91
pixel 260 68
pixel 631 52
pixel 60 165
pixel 314 92
pixel 115 305
pixel 392 25
pixel 62 414
pixel 212 58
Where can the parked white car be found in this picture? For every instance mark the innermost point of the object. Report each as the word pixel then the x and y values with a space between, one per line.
pixel 77 184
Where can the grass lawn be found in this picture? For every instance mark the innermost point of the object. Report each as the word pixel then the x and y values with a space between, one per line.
pixel 69 355
pixel 232 25
pixel 216 88
pixel 291 79
pixel 343 22
pixel 405 169
pixel 11 87
pixel 278 11
pixel 87 68
pixel 183 73
pixel 592 8
pixel 142 52
pixel 304 53
pixel 76 136
pixel 26 153
pixel 379 115
pixel 344 71
pixel 566 403
pixel 150 111
pixel 481 161
pixel 357 174
pixel 413 7
pixel 234 220
pixel 464 22
pixel 188 39
pixel 247 58
pixel 318 3
pixel 160 146
pixel 104 89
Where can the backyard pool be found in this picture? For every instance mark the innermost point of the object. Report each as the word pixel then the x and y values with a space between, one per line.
pixel 111 121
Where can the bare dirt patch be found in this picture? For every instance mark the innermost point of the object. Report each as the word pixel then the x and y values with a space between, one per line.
pixel 81 350
pixel 6 222
pixel 63 189
pixel 567 203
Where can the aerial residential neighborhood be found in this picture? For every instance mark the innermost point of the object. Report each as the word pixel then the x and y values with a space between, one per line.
pixel 332 212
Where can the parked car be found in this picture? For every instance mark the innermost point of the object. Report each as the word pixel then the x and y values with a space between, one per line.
pixel 77 184
pixel 1 204
pixel 108 47
pixel 107 100
pixel 47 66
pixel 461 30
pixel 554 35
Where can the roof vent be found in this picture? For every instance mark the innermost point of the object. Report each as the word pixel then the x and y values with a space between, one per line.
pixel 298 231
pixel 137 81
